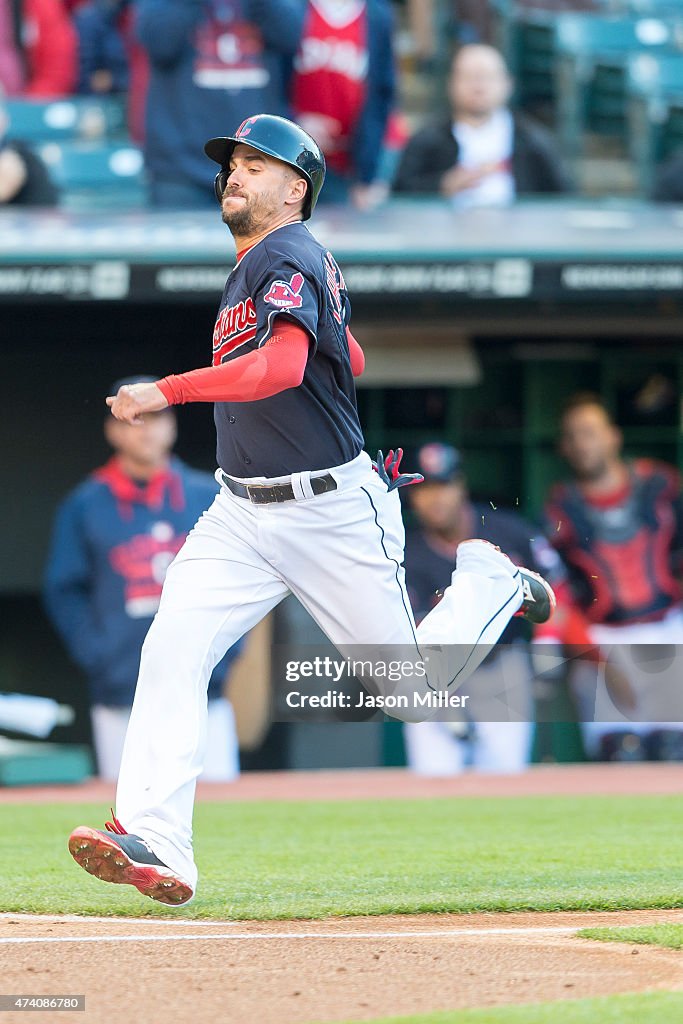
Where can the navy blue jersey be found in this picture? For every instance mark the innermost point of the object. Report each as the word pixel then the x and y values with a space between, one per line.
pixel 429 564
pixel 112 543
pixel 310 427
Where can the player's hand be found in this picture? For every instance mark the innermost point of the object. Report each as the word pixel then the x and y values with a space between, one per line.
pixel 388 468
pixel 134 400
pixel 460 178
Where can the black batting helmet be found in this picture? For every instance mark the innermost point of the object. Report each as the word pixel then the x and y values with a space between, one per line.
pixel 277 137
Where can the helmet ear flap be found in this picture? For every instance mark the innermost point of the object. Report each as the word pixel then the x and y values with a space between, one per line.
pixel 219 184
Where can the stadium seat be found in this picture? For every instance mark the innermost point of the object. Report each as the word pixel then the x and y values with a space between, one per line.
pixel 94 175
pixel 672 129
pixel 74 117
pixel 530 38
pixel 648 8
pixel 654 84
pixel 582 43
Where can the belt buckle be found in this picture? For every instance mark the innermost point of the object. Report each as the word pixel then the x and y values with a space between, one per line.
pixel 253 491
pixel 261 494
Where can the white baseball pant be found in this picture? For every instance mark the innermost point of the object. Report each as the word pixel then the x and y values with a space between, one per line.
pixel 501 747
pixel 341 554
pixel 655 687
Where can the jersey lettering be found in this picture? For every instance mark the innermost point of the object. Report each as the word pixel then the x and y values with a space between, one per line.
pixel 335 282
pixel 345 58
pixel 235 326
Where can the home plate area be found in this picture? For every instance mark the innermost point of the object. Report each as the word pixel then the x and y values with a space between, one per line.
pixel 343 969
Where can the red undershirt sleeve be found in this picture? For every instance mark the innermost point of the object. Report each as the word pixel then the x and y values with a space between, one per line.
pixel 356 355
pixel 276 366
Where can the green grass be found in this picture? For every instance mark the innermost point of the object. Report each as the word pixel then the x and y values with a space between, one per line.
pixel 314 860
pixel 669 935
pixel 644 1008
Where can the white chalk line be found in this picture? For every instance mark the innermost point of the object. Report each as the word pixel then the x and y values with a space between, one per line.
pixel 182 922
pixel 470 933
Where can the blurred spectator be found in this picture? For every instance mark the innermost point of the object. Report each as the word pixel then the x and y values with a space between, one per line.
pixel 11 70
pixel 111 60
pixel 102 50
pixel 618 525
pixel 213 63
pixel 24 178
pixel 446 516
pixel 421 23
pixel 668 186
pixel 38 48
pixel 342 89
pixel 482 154
pixel 115 536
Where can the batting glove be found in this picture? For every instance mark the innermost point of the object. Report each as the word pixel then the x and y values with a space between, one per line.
pixel 388 470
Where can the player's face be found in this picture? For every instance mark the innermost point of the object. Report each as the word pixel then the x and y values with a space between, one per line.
pixel 148 443
pixel 589 442
pixel 479 83
pixel 259 189
pixel 438 505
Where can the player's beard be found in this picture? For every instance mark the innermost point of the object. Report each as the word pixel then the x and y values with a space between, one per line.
pixel 251 216
pixel 591 472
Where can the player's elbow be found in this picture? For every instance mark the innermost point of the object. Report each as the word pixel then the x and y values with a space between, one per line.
pixel 295 377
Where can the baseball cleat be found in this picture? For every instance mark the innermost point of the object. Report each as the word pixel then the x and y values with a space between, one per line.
pixel 538 602
pixel 128 860
pixel 538 597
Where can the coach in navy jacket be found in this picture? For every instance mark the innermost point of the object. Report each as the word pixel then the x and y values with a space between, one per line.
pixel 113 539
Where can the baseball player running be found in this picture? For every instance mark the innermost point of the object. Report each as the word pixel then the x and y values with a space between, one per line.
pixel 299 511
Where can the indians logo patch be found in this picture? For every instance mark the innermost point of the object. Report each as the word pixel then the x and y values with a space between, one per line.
pixel 286 295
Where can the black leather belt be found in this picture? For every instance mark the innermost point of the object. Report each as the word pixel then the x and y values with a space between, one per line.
pixel 262 494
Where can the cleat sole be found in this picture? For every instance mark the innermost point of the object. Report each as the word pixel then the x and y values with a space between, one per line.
pixel 102 857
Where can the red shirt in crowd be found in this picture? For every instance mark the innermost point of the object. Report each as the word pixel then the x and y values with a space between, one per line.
pixel 330 71
pixel 50 49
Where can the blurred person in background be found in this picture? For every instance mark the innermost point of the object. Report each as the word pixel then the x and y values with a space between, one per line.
pixel 38 49
pixel 618 525
pixel 111 60
pixel 114 537
pixel 481 153
pixel 24 178
pixel 102 27
pixel 11 70
pixel 342 90
pixel 446 516
pixel 212 64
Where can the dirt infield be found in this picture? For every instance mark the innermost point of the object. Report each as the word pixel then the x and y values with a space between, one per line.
pixel 298 972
